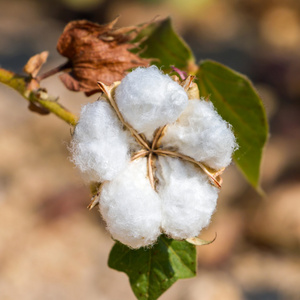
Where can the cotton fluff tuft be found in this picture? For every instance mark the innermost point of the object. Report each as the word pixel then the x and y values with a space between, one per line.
pixel 131 208
pixel 202 134
pixel 188 199
pixel 100 146
pixel 148 99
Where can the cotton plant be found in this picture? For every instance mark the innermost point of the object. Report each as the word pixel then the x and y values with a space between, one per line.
pixel 152 148
pixel 158 154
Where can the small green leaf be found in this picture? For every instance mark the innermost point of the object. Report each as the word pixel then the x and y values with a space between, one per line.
pixel 152 271
pixel 166 47
pixel 236 100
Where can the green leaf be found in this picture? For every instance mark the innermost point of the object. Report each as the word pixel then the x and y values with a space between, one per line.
pixel 165 46
pixel 236 100
pixel 152 271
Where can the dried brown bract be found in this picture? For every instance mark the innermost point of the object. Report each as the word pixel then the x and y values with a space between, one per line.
pixel 35 63
pixel 97 53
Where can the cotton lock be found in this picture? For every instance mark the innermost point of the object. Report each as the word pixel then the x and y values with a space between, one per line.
pixel 187 198
pixel 202 134
pixel 157 154
pixel 149 99
pixel 130 207
pixel 100 146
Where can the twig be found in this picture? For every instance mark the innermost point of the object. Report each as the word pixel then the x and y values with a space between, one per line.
pixel 53 71
pixel 21 84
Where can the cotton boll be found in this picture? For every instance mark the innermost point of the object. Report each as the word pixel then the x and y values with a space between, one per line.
pixel 202 134
pixel 188 199
pixel 148 99
pixel 100 146
pixel 130 207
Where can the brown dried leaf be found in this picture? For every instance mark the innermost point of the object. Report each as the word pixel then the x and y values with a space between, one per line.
pixel 97 53
pixel 37 108
pixel 35 63
pixel 70 83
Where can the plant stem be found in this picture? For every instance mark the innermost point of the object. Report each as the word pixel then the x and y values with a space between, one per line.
pixel 53 71
pixel 21 83
pixel 58 110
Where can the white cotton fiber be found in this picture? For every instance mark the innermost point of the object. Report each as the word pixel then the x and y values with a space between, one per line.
pixel 100 146
pixel 202 134
pixel 148 99
pixel 130 207
pixel 188 199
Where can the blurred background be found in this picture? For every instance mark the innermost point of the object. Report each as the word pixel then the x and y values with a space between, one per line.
pixel 52 247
